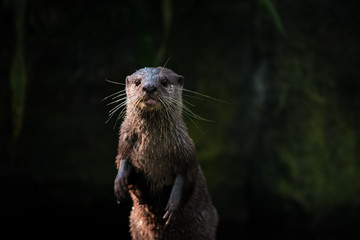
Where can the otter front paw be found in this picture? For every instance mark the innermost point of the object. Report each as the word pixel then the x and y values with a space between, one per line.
pixel 122 180
pixel 120 187
pixel 174 200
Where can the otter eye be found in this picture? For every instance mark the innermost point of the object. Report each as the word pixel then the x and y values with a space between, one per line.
pixel 137 82
pixel 164 82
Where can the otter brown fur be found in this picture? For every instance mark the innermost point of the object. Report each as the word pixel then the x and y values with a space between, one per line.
pixel 157 162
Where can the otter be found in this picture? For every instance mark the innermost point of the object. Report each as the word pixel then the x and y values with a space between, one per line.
pixel 157 162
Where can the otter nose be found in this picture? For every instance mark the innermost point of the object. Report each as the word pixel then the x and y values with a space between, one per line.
pixel 149 88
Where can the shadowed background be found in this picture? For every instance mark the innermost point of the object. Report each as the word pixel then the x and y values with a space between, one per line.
pixel 281 157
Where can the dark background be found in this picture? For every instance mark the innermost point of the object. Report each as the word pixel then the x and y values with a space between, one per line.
pixel 281 157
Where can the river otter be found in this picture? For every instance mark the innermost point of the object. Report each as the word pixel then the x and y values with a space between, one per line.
pixel 157 163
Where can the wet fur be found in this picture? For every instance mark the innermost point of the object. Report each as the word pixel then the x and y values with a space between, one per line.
pixel 157 164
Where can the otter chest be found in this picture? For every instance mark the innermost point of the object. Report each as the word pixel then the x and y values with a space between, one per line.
pixel 157 156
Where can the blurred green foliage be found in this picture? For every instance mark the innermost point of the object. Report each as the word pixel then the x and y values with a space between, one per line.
pixel 274 14
pixel 18 69
pixel 320 153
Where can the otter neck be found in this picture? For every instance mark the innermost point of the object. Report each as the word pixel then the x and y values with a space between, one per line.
pixel 162 122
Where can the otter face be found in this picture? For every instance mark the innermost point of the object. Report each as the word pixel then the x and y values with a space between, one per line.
pixel 154 88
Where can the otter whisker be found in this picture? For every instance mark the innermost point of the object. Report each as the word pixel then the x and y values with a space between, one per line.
pixel 121 115
pixel 188 103
pixel 197 126
pixel 163 67
pixel 118 83
pixel 170 110
pixel 167 122
pixel 120 95
pixel 188 95
pixel 119 92
pixel 123 102
pixel 116 101
pixel 194 115
pixel 124 110
pixel 187 110
pixel 113 110
pixel 203 95
pixel 172 103
pixel 162 102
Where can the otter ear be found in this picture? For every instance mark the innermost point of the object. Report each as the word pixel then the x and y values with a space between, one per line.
pixel 127 80
pixel 181 80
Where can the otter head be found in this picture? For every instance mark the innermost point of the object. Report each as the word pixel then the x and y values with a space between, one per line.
pixel 153 89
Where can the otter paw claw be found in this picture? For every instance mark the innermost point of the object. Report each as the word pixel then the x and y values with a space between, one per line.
pixel 169 214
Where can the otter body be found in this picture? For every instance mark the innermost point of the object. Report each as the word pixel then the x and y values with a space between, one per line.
pixel 157 162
